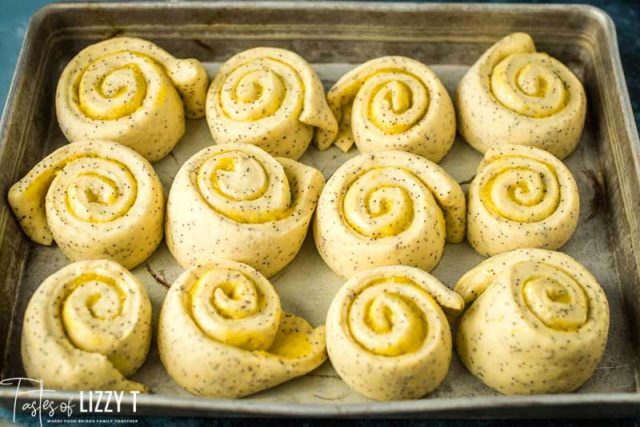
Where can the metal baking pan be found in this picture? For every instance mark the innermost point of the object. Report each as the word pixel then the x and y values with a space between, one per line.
pixel 335 37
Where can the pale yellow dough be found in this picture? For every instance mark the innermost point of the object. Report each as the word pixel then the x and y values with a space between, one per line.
pixel 268 97
pixel 222 333
pixel 387 208
pixel 515 95
pixel 96 199
pixel 87 327
pixel 236 202
pixel 387 332
pixel 537 322
pixel 391 103
pixel 521 197
pixel 130 91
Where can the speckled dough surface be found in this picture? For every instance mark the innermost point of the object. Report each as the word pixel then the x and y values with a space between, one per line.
pixel 222 333
pixel 516 95
pixel 95 199
pixel 307 286
pixel 521 197
pixel 387 208
pixel 87 327
pixel 388 336
pixel 130 91
pixel 537 322
pixel 271 98
pixel 392 103
pixel 235 201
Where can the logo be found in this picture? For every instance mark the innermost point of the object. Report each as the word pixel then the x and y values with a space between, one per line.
pixel 29 400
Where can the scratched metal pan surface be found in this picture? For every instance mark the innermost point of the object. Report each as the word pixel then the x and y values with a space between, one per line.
pixel 335 37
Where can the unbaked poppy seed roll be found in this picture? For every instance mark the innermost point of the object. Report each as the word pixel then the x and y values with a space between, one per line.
pixel 268 97
pixel 130 91
pixel 537 322
pixel 388 208
pixel 515 95
pixel 87 327
pixel 387 332
pixel 96 200
pixel 236 202
pixel 222 333
pixel 392 103
pixel 521 197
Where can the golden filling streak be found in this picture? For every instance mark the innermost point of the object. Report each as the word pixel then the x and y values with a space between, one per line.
pixel 103 93
pixel 521 194
pixel 387 316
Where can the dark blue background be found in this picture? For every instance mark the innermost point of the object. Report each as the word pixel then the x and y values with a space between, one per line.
pixel 625 13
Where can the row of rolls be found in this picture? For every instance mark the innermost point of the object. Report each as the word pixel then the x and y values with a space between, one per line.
pixel 524 322
pixel 536 321
pixel 132 92
pixel 99 199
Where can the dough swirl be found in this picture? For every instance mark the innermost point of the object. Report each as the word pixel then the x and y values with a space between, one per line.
pixel 388 208
pixel 521 197
pixel 268 97
pixel 392 103
pixel 222 333
pixel 96 199
pixel 236 202
pixel 87 327
pixel 537 322
pixel 516 95
pixel 387 332
pixel 130 91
